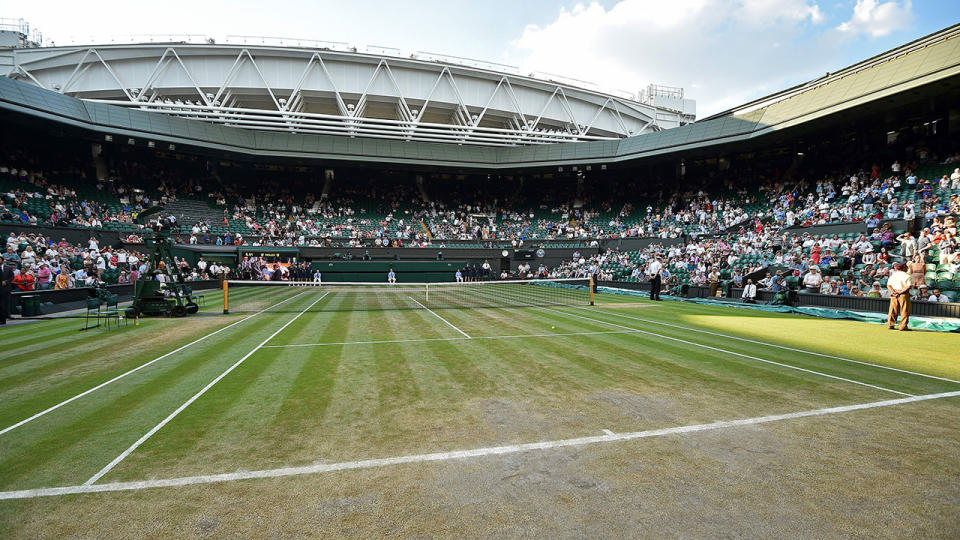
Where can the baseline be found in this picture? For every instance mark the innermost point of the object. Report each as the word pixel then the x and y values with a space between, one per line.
pixel 456 454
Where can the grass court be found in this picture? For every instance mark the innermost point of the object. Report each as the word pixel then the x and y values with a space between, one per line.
pixel 334 413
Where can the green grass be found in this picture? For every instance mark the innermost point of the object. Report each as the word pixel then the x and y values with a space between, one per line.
pixel 290 406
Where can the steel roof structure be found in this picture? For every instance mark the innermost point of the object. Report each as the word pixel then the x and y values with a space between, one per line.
pixel 931 63
pixel 337 91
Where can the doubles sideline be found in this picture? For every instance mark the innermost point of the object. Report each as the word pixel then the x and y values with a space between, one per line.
pixel 138 368
pixel 725 351
pixel 196 396
pixel 607 437
pixel 748 340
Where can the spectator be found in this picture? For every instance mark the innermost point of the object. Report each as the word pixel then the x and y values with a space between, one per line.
pixel 44 276
pixel 899 287
pixel 908 245
pixel 813 280
pixel 937 296
pixel 24 280
pixel 749 295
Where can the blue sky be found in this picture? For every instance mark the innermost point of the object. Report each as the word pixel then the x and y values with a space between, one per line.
pixel 723 52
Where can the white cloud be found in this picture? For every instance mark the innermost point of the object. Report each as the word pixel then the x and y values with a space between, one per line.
pixel 723 52
pixel 878 19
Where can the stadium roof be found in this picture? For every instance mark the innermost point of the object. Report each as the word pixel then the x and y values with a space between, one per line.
pixel 931 59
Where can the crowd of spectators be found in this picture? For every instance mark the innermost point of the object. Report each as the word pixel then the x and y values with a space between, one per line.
pixel 44 263
pixel 721 230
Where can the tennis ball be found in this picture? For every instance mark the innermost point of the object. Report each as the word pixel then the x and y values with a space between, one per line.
pixel 553 327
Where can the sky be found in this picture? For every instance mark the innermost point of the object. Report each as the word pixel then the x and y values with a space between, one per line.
pixel 722 52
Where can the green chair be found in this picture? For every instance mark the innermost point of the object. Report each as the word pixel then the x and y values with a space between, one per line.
pixel 93 312
pixel 112 311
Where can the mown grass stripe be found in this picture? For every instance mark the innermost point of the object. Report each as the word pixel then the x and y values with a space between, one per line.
pixel 125 374
pixel 773 345
pixel 106 469
pixel 784 365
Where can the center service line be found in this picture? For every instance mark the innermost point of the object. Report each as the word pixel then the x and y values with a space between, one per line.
pixel 441 318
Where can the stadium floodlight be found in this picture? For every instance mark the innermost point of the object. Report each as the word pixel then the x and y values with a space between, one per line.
pixel 173 147
pixel 108 138
pixel 151 144
pixel 131 141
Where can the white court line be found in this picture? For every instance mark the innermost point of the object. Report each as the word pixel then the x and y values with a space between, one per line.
pixel 441 318
pixel 731 352
pixel 122 375
pixel 180 409
pixel 768 344
pixel 454 455
pixel 513 336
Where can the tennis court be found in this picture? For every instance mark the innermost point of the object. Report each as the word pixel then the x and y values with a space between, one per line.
pixel 494 394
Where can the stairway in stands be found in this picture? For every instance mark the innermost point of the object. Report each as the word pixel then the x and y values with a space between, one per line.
pixel 189 211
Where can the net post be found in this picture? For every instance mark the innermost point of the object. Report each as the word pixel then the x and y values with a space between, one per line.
pixel 426 294
pixel 591 290
pixel 225 306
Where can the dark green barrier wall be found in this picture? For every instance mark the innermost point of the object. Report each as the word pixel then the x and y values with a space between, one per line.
pixel 376 271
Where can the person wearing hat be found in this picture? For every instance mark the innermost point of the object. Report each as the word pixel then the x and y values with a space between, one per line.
pixel 899 286
pixel 812 279
pixel 44 275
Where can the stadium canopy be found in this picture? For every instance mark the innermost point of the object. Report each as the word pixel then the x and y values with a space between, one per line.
pixel 932 61
pixel 326 88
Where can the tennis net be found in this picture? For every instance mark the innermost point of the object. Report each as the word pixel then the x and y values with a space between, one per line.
pixel 253 296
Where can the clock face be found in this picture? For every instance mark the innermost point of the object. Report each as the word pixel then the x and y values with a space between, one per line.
pixel 505 253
